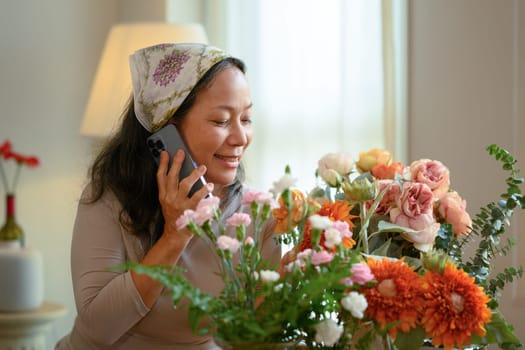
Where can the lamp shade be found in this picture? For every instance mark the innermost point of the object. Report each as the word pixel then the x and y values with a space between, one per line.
pixel 111 87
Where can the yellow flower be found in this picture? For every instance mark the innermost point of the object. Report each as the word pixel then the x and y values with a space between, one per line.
pixel 367 160
pixel 455 307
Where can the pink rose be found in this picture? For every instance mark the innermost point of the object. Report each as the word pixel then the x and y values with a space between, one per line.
pixel 322 257
pixel 415 211
pixel 228 243
pixel 238 219
pixel 432 173
pixel 389 199
pixel 453 210
pixel 415 199
pixel 424 226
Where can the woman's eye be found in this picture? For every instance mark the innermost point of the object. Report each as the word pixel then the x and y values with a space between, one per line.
pixel 220 122
pixel 247 120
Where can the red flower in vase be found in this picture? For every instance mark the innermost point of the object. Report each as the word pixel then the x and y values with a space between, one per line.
pixel 7 153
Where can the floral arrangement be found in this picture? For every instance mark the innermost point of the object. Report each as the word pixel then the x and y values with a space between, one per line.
pixel 7 153
pixel 377 260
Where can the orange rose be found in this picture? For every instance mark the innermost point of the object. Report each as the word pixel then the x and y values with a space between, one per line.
pixel 384 171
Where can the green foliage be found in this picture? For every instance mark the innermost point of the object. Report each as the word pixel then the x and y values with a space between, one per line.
pixel 489 226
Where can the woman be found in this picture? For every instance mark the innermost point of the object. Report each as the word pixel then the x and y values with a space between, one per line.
pixel 128 210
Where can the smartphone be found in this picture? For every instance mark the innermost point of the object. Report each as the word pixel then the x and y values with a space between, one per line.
pixel 168 138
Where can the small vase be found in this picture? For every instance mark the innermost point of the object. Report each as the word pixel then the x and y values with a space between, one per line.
pixel 21 273
pixel 11 233
pixel 254 345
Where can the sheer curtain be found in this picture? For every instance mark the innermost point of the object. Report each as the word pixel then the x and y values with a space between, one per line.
pixel 318 76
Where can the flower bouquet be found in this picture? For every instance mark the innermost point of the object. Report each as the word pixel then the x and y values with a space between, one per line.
pixel 376 261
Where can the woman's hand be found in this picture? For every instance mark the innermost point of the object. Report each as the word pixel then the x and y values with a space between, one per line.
pixel 174 193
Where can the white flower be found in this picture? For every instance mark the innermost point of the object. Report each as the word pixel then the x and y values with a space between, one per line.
pixel 228 243
pixel 333 166
pixel 355 303
pixel 269 276
pixel 320 222
pixel 328 332
pixel 286 181
pixel 332 237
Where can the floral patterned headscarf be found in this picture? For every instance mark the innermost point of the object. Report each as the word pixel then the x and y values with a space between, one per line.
pixel 163 75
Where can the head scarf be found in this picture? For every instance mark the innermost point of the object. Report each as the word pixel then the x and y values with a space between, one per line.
pixel 163 75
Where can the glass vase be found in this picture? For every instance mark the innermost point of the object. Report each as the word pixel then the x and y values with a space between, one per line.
pixel 11 233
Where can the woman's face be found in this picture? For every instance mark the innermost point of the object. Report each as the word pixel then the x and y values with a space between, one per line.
pixel 217 129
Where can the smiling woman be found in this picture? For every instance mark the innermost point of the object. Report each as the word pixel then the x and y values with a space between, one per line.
pixel 129 209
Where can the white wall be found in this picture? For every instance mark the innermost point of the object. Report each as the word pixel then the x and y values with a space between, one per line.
pixel 467 90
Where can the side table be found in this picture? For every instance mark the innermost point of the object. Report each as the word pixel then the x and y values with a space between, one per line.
pixel 28 330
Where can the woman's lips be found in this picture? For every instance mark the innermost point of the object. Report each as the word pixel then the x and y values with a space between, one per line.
pixel 230 161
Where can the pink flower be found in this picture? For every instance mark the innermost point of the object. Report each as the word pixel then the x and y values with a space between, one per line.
pixel 424 228
pixel 322 257
pixel 249 241
pixel 238 219
pixel 389 199
pixel 415 211
pixel 432 173
pixel 184 219
pixel 259 197
pixel 415 199
pixel 228 243
pixel 206 209
pixel 361 273
pixel 453 210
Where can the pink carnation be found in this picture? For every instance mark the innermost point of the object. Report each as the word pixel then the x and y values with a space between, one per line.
pixel 228 243
pixel 184 219
pixel 322 257
pixel 361 273
pixel 206 209
pixel 258 197
pixel 238 219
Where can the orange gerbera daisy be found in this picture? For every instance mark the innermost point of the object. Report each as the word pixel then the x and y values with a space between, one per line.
pixel 397 296
pixel 336 211
pixel 455 307
pixel 285 223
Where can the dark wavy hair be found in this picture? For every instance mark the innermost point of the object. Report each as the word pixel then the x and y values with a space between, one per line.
pixel 125 166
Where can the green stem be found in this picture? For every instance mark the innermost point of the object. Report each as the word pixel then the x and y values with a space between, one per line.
pixel 363 234
pixel 4 178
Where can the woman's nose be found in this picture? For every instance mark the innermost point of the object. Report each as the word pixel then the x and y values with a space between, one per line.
pixel 238 135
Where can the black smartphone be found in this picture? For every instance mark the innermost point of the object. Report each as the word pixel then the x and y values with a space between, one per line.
pixel 168 138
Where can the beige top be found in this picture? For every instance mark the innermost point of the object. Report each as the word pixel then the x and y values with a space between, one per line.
pixel 110 311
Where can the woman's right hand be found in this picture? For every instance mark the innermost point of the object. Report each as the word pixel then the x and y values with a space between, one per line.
pixel 174 193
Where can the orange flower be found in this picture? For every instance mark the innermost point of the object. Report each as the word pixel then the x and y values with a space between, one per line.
pixel 336 211
pixel 384 171
pixel 455 307
pixel 397 296
pixel 283 223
